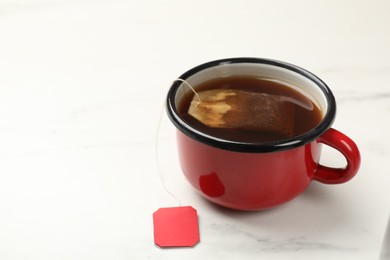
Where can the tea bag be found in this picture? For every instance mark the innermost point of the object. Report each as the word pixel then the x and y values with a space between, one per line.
pixel 231 108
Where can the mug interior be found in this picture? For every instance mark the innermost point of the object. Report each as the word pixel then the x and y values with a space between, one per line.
pixel 290 75
pixel 289 78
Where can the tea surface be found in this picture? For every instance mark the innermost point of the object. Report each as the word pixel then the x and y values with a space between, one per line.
pixel 279 108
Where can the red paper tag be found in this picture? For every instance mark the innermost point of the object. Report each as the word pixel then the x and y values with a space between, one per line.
pixel 176 227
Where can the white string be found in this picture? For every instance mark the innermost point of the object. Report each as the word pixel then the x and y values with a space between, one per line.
pixel 159 172
pixel 188 85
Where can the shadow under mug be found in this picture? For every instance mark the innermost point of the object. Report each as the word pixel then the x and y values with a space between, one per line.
pixel 253 176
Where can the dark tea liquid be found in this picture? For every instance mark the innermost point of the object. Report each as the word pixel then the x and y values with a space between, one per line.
pixel 306 114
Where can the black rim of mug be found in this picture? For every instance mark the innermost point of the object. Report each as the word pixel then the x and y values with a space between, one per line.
pixel 261 147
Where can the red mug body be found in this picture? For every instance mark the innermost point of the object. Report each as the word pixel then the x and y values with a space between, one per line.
pixel 247 181
pixel 254 176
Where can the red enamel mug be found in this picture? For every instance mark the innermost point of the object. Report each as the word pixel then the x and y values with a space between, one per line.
pixel 254 176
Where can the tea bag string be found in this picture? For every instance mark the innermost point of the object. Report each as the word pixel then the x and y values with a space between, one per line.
pixel 190 87
pixel 157 158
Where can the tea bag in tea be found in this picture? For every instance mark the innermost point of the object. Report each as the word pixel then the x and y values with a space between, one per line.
pixel 231 108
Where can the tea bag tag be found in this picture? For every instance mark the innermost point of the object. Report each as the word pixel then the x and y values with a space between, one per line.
pixel 176 227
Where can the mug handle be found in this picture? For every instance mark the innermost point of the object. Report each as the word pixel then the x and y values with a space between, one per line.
pixel 348 148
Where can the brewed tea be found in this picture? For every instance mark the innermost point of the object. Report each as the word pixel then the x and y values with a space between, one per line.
pixel 248 109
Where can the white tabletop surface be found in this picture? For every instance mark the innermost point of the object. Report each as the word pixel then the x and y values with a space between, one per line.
pixel 82 87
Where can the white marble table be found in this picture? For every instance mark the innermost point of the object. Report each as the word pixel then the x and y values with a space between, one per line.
pixel 82 84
